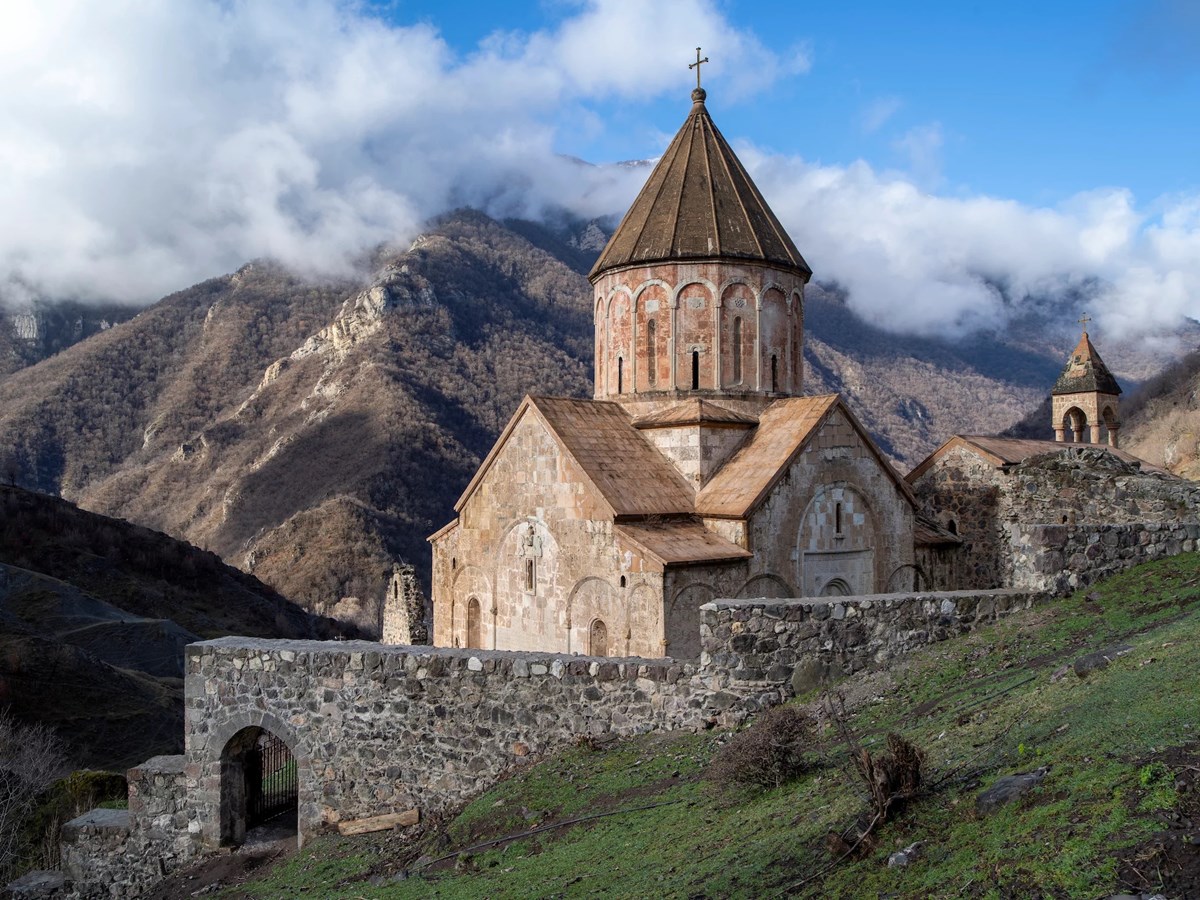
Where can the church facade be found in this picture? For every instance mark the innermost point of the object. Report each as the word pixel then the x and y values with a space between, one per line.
pixel 699 469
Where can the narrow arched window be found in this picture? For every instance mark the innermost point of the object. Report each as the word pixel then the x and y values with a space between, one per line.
pixel 774 372
pixel 695 370
pixel 474 638
pixel 837 517
pixel 737 349
pixel 620 375
pixel 652 351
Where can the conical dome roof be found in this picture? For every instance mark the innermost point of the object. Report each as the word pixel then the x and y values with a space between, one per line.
pixel 1086 371
pixel 700 204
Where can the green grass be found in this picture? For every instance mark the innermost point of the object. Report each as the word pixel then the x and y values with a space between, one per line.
pixel 980 706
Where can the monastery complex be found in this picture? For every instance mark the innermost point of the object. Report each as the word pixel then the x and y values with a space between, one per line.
pixel 699 541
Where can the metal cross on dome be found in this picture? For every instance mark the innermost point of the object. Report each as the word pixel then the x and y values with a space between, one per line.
pixel 1084 319
pixel 696 65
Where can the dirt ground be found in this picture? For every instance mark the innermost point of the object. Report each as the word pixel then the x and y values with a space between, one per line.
pixel 264 846
pixel 1169 862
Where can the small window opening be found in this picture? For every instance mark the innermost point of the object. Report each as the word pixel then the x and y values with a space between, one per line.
pixel 474 625
pixel 837 517
pixel 774 373
pixel 620 375
pixel 622 581
pixel 454 562
pixel 598 638
pixel 737 349
pixel 530 574
pixel 952 526
pixel 652 351
pixel 695 370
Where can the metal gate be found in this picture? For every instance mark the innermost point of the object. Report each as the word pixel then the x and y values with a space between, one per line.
pixel 271 784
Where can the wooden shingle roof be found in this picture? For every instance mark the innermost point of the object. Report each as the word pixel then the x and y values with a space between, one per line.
pixel 700 204
pixel 681 542
pixel 631 476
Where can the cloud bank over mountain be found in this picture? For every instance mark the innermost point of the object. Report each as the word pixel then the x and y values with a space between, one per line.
pixel 148 146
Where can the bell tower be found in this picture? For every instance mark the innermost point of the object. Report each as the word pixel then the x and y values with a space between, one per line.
pixel 1084 399
pixel 699 294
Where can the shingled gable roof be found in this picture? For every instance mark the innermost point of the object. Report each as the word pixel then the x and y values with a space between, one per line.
pixel 784 428
pixel 695 411
pixel 1000 452
pixel 699 204
pixel 681 542
pixel 626 471
pixel 1085 372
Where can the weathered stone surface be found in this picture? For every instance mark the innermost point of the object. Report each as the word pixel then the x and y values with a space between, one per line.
pixel 37 885
pixel 1008 788
pixel 1092 662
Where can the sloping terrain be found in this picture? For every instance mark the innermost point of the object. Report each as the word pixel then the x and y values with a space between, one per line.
pixel 32 333
pixel 1095 693
pixel 316 433
pixel 94 616
pixel 1162 421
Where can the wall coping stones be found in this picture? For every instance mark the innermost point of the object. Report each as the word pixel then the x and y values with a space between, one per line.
pixel 521 661
pixel 861 601
pixel 159 765
pixel 97 821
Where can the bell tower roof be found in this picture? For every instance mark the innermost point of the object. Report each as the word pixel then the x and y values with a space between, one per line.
pixel 1085 372
pixel 700 204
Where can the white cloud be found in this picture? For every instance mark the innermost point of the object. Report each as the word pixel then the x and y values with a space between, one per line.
pixel 148 145
pixel 922 148
pixel 878 112
pixel 915 261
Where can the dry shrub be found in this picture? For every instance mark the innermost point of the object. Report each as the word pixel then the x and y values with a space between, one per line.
pixel 770 752
pixel 892 778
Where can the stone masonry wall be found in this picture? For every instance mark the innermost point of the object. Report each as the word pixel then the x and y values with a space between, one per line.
pixel 1001 514
pixel 1062 558
pixel 114 853
pixel 796 645
pixel 377 729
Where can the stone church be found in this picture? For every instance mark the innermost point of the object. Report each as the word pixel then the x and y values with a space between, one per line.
pixel 699 470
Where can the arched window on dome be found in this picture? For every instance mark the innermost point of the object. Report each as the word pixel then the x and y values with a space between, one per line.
pixel 620 375
pixel 774 373
pixel 737 349
pixel 695 370
pixel 652 351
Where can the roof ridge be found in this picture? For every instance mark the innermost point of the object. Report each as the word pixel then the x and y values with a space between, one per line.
pixel 719 139
pixel 712 185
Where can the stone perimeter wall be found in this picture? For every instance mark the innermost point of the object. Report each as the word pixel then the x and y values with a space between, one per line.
pixel 378 729
pixel 1063 558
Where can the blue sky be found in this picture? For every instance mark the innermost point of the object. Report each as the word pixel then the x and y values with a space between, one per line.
pixel 948 164
pixel 1032 101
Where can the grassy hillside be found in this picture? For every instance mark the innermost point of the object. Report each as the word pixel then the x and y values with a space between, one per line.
pixel 1116 810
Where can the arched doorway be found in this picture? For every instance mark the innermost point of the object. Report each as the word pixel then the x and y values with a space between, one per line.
pixel 598 638
pixel 259 785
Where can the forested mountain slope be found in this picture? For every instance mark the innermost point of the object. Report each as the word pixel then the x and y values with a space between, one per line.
pixel 316 433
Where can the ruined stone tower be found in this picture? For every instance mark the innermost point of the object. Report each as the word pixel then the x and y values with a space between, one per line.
pixel 700 292
pixel 1084 399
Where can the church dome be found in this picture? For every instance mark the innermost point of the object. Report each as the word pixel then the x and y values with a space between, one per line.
pixel 700 204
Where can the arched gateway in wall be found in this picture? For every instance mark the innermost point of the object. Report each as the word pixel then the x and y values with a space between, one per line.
pixel 258 772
